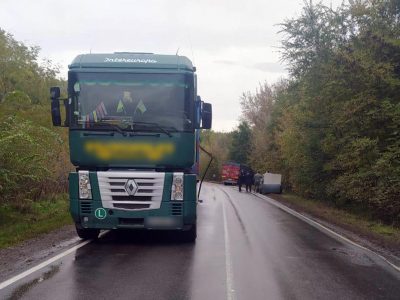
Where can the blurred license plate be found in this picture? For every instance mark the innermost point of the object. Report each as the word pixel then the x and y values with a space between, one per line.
pixel 163 222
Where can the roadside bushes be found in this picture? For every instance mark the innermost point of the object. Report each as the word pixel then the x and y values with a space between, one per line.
pixel 34 158
pixel 17 100
pixel 30 155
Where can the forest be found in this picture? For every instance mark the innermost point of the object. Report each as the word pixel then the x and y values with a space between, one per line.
pixel 332 128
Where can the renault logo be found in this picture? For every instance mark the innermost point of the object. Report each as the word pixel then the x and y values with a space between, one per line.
pixel 131 187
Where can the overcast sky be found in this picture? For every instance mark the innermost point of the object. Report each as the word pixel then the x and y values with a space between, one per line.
pixel 233 43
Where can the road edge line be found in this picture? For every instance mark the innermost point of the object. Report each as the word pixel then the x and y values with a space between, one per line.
pixel 228 261
pixel 321 227
pixel 43 264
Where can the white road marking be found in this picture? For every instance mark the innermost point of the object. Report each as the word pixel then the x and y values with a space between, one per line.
pixel 14 279
pixel 230 292
pixel 322 228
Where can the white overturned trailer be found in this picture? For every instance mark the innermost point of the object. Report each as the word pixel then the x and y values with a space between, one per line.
pixel 272 183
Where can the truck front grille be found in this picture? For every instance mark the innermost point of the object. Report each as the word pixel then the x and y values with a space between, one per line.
pixel 132 198
pixel 148 194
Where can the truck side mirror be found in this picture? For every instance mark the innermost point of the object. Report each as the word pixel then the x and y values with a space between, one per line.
pixel 206 116
pixel 55 105
pixel 55 93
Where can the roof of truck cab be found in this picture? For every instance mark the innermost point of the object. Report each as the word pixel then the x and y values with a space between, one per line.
pixel 132 61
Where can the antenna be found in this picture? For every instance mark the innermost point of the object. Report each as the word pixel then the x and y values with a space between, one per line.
pixel 177 50
pixel 191 49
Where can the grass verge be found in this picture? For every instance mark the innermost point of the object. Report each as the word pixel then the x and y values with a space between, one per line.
pixel 41 217
pixel 387 237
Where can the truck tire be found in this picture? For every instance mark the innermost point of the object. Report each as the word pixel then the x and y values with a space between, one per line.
pixel 87 234
pixel 189 236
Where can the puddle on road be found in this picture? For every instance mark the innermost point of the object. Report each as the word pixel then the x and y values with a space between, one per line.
pixel 23 289
pixel 355 257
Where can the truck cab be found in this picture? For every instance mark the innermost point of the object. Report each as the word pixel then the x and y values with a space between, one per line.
pixel 134 121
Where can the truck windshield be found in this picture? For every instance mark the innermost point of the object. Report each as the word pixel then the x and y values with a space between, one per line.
pixel 151 102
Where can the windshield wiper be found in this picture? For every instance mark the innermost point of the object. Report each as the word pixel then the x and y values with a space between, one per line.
pixel 154 125
pixel 106 124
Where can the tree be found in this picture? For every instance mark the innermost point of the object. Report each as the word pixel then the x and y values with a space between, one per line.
pixel 340 130
pixel 334 125
pixel 21 71
pixel 241 141
pixel 217 144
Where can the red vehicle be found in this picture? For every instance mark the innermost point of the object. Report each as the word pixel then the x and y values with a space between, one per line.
pixel 230 173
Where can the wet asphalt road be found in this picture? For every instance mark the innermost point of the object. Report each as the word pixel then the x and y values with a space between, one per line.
pixel 246 249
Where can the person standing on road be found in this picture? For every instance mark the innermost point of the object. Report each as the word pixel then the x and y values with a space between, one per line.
pixel 241 179
pixel 257 182
pixel 248 180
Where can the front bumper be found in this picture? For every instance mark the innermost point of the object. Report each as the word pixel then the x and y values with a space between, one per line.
pixel 171 215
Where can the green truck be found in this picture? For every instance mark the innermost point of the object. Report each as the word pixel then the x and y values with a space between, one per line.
pixel 134 121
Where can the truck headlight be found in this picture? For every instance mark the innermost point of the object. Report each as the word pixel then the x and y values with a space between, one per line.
pixel 177 187
pixel 85 190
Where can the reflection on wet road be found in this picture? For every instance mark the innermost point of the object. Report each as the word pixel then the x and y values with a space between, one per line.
pixel 246 249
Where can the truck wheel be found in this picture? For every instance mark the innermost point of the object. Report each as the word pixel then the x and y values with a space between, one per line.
pixel 189 236
pixel 87 234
